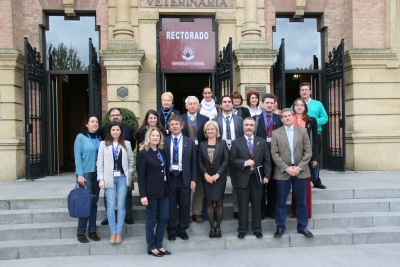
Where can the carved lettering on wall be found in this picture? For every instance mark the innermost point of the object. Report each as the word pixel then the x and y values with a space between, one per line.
pixel 187 4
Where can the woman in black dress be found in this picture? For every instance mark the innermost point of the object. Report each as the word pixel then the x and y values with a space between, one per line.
pixel 213 158
pixel 151 119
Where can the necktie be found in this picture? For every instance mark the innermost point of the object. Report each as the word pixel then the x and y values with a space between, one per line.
pixel 251 154
pixel 191 117
pixel 271 125
pixel 175 160
pixel 290 139
pixel 228 128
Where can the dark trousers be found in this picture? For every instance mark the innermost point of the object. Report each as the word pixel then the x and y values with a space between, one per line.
pixel 269 207
pixel 128 204
pixel 299 189
pixel 251 193
pixel 93 186
pixel 179 195
pixel 308 200
pixel 160 205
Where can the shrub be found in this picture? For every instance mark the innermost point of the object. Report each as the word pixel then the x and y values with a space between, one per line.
pixel 128 117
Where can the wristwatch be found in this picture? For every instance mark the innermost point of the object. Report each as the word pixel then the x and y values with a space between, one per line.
pixel 217 175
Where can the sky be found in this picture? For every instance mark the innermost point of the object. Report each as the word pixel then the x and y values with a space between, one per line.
pixel 75 33
pixel 302 41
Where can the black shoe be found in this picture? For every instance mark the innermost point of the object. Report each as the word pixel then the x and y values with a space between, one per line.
pixel 82 238
pixel 279 233
pixel 305 232
pixel 165 252
pixel 171 237
pixel 319 185
pixel 258 235
pixel 218 233
pixel 159 254
pixel 129 220
pixel 212 233
pixel 94 236
pixel 104 222
pixel 241 235
pixel 236 215
pixel 183 235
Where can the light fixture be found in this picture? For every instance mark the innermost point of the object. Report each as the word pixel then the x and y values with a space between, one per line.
pixel 296 77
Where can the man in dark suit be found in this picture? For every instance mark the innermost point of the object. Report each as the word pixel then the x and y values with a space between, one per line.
pixel 267 122
pixel 250 156
pixel 115 114
pixel 166 109
pixel 291 152
pixel 230 128
pixel 180 152
pixel 194 129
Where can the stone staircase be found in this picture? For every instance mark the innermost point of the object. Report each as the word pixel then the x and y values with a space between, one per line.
pixel 41 227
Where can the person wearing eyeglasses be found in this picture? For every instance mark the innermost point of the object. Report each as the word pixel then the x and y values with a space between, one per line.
pixel 237 108
pixel 115 114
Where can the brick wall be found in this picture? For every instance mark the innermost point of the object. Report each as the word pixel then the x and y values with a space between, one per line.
pixel 6 26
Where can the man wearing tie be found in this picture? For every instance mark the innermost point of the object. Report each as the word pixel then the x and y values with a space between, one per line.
pixel 291 152
pixel 180 152
pixel 267 122
pixel 250 156
pixel 194 129
pixel 230 127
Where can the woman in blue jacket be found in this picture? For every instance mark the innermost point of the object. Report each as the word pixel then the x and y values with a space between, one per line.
pixel 85 151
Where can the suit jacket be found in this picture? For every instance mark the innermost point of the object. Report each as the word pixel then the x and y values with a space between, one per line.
pixel 237 122
pixel 312 131
pixel 220 159
pixel 128 133
pixel 189 159
pixel 201 120
pixel 261 131
pixel 240 153
pixel 151 174
pixel 243 112
pixel 280 152
pixel 105 164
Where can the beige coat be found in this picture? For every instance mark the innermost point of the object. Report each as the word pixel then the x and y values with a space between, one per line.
pixel 280 152
pixel 105 164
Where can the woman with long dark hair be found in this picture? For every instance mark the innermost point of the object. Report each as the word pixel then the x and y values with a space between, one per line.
pixel 85 151
pixel 151 119
pixel 115 170
pixel 208 107
pixel 303 120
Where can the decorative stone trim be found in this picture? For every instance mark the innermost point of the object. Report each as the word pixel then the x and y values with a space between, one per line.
pixel 300 7
pixel 148 14
pixel 222 15
pixel 69 7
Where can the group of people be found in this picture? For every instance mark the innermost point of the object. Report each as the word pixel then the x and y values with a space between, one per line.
pixel 195 151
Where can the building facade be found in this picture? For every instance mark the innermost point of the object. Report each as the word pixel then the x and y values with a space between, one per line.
pixel 133 36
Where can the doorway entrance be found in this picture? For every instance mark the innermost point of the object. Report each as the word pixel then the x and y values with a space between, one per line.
pixel 182 85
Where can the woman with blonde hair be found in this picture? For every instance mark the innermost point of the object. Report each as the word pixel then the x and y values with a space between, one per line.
pixel 213 159
pixel 152 180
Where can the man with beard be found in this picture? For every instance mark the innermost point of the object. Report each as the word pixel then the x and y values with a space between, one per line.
pixel 230 127
pixel 250 156
pixel 115 114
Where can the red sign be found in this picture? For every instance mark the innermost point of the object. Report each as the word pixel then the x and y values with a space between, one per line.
pixel 187 45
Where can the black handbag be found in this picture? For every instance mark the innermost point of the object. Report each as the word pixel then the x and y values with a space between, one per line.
pixel 80 202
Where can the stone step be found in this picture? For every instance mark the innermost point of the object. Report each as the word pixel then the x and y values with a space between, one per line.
pixel 318 194
pixel 28 216
pixel 229 241
pixel 65 230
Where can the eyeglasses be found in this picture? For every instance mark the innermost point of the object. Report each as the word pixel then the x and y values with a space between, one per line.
pixel 115 115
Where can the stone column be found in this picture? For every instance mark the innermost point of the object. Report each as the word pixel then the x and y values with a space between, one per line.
pixel 254 58
pixel 12 142
pixel 122 59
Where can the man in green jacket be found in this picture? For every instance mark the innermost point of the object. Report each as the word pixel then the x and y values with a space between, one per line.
pixel 317 111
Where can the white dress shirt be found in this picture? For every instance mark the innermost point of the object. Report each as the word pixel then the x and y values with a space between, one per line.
pixel 180 151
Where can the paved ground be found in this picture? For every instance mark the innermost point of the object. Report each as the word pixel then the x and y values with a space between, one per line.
pixel 343 256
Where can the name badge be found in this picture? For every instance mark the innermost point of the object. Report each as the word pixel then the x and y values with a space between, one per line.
pixel 165 178
pixel 117 173
pixel 167 131
pixel 175 167
pixel 269 139
pixel 196 142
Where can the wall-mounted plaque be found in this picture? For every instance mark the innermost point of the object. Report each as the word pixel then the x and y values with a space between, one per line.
pixel 261 89
pixel 187 4
pixel 122 93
